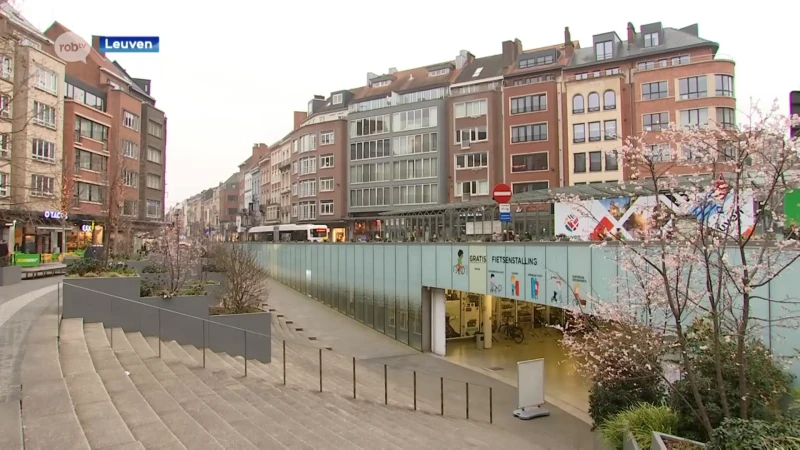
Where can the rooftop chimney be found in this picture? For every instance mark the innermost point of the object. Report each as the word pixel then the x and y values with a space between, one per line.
pixel 392 70
pixel 464 57
pixel 569 46
pixel 96 44
pixel 299 117
pixel 370 76
pixel 511 50
pixel 631 34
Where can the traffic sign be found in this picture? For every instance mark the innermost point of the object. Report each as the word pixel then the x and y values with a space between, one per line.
pixel 505 212
pixel 501 193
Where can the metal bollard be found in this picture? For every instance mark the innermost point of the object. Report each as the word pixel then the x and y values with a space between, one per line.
pixel 245 353
pixel 320 370
pixel 415 390
pixel 385 386
pixel 441 392
pixel 284 363
pixel 159 332
pixel 467 402
pixel 354 377
pixel 490 406
pixel 204 343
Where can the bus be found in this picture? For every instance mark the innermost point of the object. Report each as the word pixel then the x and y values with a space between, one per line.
pixel 289 233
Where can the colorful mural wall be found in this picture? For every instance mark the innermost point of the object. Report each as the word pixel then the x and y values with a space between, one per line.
pixel 381 285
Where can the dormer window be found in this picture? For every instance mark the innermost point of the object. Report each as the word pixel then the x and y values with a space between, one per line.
pixel 337 99
pixel 651 40
pixel 311 107
pixel 439 72
pixel 536 61
pixel 477 72
pixel 604 50
pixel 381 83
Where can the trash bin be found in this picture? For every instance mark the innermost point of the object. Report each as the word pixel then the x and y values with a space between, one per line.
pixel 479 341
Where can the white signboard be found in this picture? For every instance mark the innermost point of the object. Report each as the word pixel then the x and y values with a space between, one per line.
pixel 630 216
pixel 530 382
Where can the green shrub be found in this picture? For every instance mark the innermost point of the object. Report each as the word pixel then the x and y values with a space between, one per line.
pixel 154 268
pixel 611 397
pixel 738 434
pixel 640 420
pixel 83 266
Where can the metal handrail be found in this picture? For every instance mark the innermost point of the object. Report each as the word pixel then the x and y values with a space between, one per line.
pixel 302 344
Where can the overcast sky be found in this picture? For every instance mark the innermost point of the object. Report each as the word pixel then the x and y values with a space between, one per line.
pixel 230 73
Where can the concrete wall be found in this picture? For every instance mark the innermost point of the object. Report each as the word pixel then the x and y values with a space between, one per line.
pixel 10 275
pixel 182 319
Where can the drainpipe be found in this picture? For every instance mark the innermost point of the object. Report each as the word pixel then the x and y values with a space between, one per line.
pixel 503 125
pixel 559 93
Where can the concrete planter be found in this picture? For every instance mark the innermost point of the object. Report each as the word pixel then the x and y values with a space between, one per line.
pixel 138 265
pixel 628 442
pixel 93 298
pixel 10 275
pixel 660 441
pixel 232 341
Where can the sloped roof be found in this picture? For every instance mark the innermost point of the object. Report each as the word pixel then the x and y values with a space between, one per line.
pixel 673 40
pixel 15 17
pixel 560 60
pixel 492 67
pixel 406 81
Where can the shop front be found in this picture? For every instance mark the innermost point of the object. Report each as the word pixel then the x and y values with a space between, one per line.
pixel 82 234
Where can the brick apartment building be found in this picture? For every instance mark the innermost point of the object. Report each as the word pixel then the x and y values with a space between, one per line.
pixel 114 148
pixel 535 119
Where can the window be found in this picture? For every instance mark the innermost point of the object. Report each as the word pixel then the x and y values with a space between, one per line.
pixel 439 72
pixel 130 208
pixel 130 179
pixel 477 72
pixel 326 161
pixel 594 131
pixel 153 181
pixel 604 50
pixel 691 152
pixel 307 188
pixel 326 207
pixel 5 145
pixel 646 65
pixel 90 161
pixel 529 103
pixel 694 117
pixel 412 120
pixel 131 120
pixel 609 99
pixel 655 122
pixel 42 186
pixel 651 40
pixel 369 126
pixel 326 184
pixel 594 101
pixel 369 150
pixel 479 187
pixel 369 105
pixel 474 134
pixel 326 138
pixel 595 161
pixel 582 76
pixel 652 91
pixel 154 129
pixel 529 133
pixel 308 165
pixel 4 182
pixel 529 163
pixel 519 188
pixel 154 209
pixel 536 61
pixel 48 81
pixel 579 162
pixel 130 150
pixel 578 133
pixel 407 145
pixel 476 108
pixel 660 153
pixel 305 143
pixel 726 117
pixel 294 167
pixel 723 85
pixel 611 161
pixel 337 99
pixel 233 198
pixel 84 97
pixel 472 160
pixel 6 68
pixel 154 155
pixel 577 104
pixel 692 87
pixel 422 96
pixel 614 71
pixel 415 168
pixel 381 83
pixel 380 196
pixel 678 60
pixel 294 188
pixel 610 127
pixel 45 115
pixel 5 106
pixel 91 130
pixel 43 150
pixel 87 192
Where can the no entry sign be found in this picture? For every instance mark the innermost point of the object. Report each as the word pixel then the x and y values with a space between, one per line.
pixel 501 193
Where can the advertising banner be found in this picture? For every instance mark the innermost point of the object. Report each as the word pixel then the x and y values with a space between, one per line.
pixel 630 217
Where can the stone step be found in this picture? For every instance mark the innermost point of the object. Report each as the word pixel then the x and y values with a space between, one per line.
pixel 99 418
pixel 144 423
pixel 48 416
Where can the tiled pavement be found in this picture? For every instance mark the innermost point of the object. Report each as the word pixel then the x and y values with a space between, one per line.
pixel 18 310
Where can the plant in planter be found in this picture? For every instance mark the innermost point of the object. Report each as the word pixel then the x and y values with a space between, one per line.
pixel 97 268
pixel 735 434
pixel 178 261
pixel 245 287
pixel 640 421
pixel 154 268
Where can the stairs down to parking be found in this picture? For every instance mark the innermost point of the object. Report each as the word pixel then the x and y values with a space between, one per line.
pixel 145 394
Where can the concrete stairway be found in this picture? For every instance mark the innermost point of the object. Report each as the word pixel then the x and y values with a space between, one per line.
pixel 90 395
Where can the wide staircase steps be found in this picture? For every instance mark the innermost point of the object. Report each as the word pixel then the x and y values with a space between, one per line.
pixel 110 389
